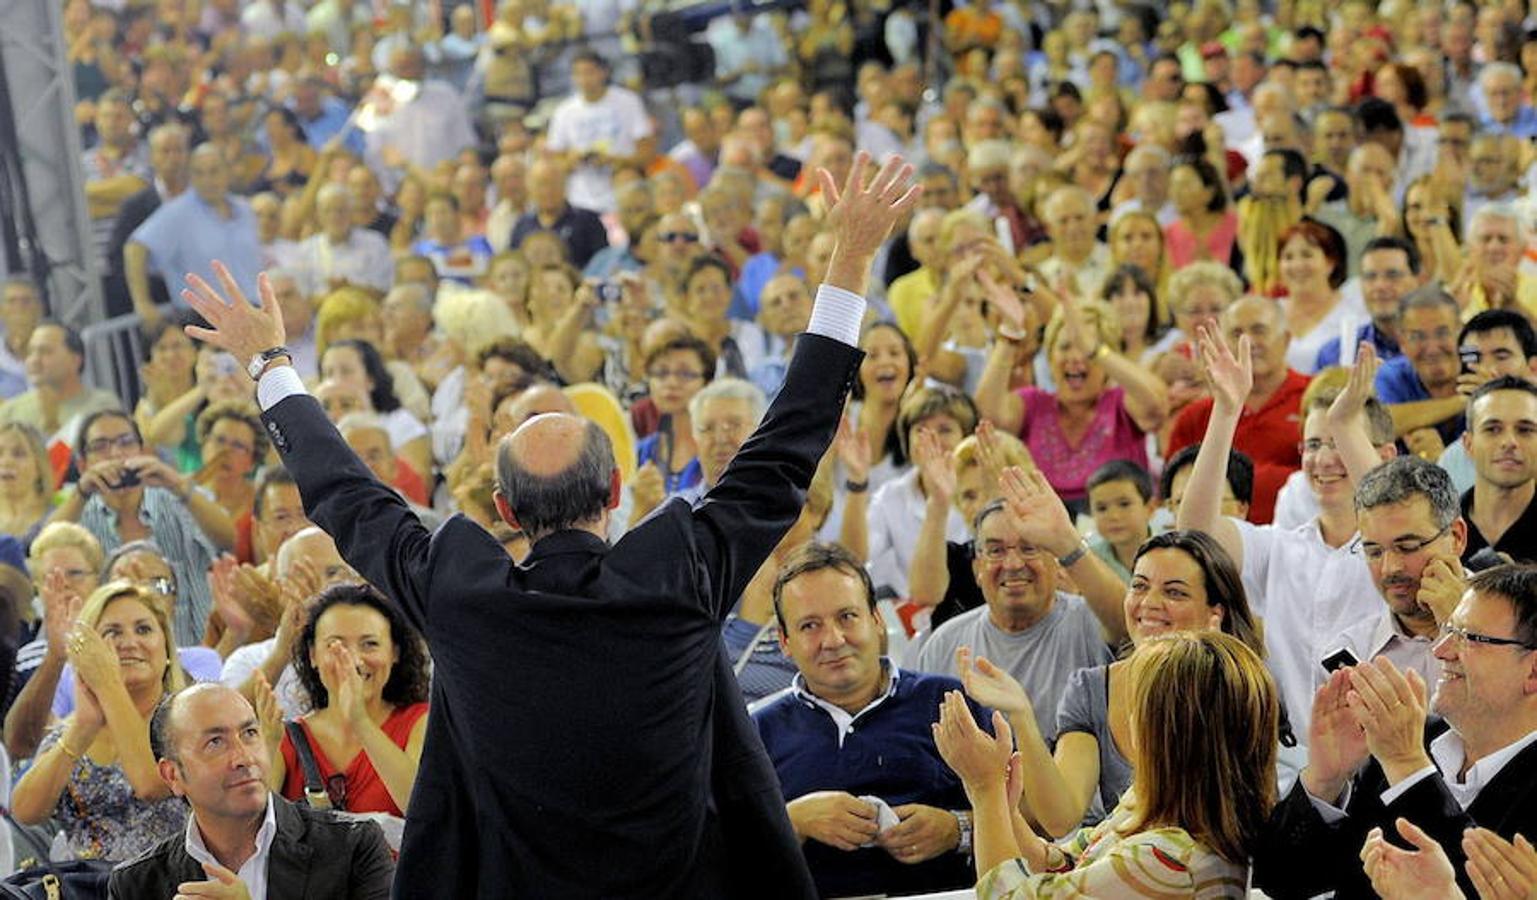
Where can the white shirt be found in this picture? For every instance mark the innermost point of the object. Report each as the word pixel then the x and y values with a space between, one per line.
pixel 1447 753
pixel 362 259
pixel 1341 322
pixel 1295 503
pixel 244 662
pixel 1384 636
pixel 254 871
pixel 1307 593
pixel 613 124
pixel 895 518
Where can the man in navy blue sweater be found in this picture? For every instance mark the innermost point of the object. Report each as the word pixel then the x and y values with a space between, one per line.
pixel 851 728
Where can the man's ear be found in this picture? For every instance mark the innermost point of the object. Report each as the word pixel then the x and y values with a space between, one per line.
pixel 1387 451
pixel 170 776
pixel 504 509
pixel 614 484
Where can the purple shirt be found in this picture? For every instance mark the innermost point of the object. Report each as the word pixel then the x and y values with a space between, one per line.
pixel 1111 435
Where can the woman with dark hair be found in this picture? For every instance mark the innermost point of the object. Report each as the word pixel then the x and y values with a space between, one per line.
pixel 358 363
pixel 1435 227
pixel 676 370
pixel 1203 738
pixel 1207 226
pixel 293 159
pixel 1181 581
pixel 1131 293
pixel 1403 86
pixel 887 369
pixel 366 673
pixel 1312 266
pixel 739 345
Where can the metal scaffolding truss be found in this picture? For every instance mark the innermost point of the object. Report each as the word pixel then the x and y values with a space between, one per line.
pixel 42 95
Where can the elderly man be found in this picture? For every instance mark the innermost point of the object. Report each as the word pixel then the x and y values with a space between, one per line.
pixel 579 229
pixel 1076 254
pixel 1369 209
pixel 848 709
pixel 271 659
pixel 723 414
pixel 1500 84
pixel 169 146
pixel 509 175
pixel 205 223
pixel 1495 172
pixel 126 493
pixel 57 398
pixel 987 164
pixel 708 804
pixel 1369 766
pixel 1029 626
pixel 1420 387
pixel 1147 168
pixel 341 253
pixel 911 295
pixel 242 840
pixel 784 308
pixel 1494 280
pixel 21 310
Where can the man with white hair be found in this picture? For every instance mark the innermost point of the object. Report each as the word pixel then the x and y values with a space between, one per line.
pixel 1494 172
pixel 987 163
pixel 298 307
pixel 339 253
pixel 1504 112
pixel 1147 171
pixel 723 413
pixel 1496 242
pixel 1076 254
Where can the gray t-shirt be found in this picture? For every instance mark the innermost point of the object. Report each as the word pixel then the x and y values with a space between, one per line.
pixel 1042 657
pixel 1086 708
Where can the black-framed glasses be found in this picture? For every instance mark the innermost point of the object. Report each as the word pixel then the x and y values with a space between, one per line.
pixel 1464 636
pixel 125 441
pixel 1402 546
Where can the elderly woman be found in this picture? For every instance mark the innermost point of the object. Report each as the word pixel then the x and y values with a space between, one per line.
pixel 1197 294
pixel 1104 405
pixel 366 673
pixel 1313 266
pixel 1201 794
pixel 26 481
pixel 94 771
pixel 1181 581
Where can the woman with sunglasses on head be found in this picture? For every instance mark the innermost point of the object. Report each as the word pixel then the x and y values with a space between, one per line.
pixel 366 673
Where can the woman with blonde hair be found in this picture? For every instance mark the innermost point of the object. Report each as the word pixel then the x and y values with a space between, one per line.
pixel 1137 239
pixel 1204 715
pixel 94 771
pixel 26 481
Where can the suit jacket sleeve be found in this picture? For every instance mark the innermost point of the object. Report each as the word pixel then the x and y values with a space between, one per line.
pixel 759 496
pixel 1300 855
pixel 373 869
pixel 373 527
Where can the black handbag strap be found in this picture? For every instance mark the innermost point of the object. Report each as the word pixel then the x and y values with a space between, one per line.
pixel 314 786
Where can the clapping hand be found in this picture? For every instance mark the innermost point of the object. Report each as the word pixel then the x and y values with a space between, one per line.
pixel 269 712
pixel 853 449
pixel 95 663
pixel 934 465
pixel 349 695
pixel 1011 312
pixel 991 686
pixel 1336 741
pixel 1500 869
pixel 61 606
pixel 1230 377
pixel 1390 706
pixel 237 326
pixel 1397 874
pixel 979 758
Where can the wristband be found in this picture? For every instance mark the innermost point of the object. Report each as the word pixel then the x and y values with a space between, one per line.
pixel 1078 553
pixel 963 819
pixel 856 487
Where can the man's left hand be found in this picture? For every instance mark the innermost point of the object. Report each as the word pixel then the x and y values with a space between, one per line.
pixel 238 327
pixel 1390 705
pixel 222 884
pixel 923 833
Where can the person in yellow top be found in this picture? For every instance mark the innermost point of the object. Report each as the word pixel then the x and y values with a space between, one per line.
pixel 909 295
pixel 1491 277
pixel 1204 726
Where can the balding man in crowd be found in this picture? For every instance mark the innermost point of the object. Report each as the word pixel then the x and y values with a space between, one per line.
pixel 579 229
pixel 650 780
pixel 1505 112
pixel 169 147
pixel 910 295
pixel 1077 256
pixel 509 176
pixel 205 223
pixel 340 252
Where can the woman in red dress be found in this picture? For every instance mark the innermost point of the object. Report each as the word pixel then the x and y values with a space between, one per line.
pixel 366 672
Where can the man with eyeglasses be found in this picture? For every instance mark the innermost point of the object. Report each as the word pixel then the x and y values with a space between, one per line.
pixel 1420 387
pixel 126 494
pixel 1369 765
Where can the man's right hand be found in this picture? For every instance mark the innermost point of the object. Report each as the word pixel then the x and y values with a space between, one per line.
pixel 1336 741
pixel 1230 377
pixel 835 818
pixel 861 215
pixel 238 327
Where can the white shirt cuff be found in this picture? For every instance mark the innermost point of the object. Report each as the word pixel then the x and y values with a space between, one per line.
pixel 278 384
pixel 1328 811
pixel 1401 788
pixel 838 314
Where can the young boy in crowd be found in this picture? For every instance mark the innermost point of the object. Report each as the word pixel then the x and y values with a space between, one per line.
pixel 1122 503
pixel 1236 494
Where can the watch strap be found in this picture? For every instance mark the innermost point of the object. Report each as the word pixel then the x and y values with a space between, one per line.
pixel 1072 558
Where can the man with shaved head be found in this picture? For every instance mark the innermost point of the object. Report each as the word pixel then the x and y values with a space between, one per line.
pixel 587 738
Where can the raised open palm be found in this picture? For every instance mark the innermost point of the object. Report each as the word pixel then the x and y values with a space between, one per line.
pixel 1230 377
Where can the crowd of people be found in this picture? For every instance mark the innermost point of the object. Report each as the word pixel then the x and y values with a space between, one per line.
pixel 1179 533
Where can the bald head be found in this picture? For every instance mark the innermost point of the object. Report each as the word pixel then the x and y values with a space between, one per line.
pixel 556 472
pixel 207 703
pixel 541 399
pixel 314 547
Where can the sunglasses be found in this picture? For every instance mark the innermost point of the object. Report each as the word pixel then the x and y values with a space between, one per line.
pixel 672 237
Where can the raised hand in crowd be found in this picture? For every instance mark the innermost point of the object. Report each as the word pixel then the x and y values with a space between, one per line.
pixel 1390 706
pixel 862 213
pixel 1337 746
pixel 236 326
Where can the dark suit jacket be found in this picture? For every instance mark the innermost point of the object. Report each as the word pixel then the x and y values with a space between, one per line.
pixel 314 856
pixel 1301 855
pixel 587 737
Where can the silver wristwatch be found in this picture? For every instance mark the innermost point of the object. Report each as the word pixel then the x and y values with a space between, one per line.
pixel 259 361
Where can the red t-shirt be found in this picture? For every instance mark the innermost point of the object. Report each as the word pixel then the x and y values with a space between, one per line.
pixel 1270 436
pixel 365 790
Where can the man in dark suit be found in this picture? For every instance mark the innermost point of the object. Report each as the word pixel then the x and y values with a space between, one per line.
pixel 1368 764
pixel 587 736
pixel 244 842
